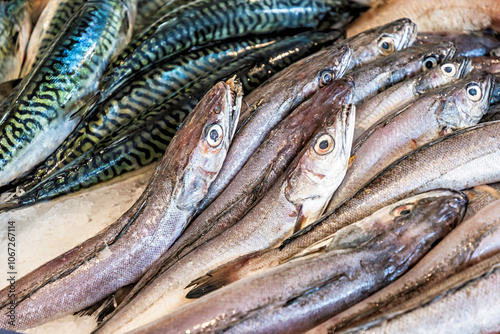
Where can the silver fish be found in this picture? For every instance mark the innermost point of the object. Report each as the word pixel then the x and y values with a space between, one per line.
pixel 358 260
pixel 298 197
pixel 120 254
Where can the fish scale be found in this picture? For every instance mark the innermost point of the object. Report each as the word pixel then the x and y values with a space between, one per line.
pixel 53 91
pixel 205 21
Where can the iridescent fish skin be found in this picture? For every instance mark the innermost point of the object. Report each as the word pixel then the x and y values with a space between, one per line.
pixel 357 260
pixel 15 30
pixel 121 253
pixel 468 44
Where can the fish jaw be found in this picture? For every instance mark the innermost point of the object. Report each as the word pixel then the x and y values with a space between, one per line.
pixel 461 109
pixel 206 160
pixel 438 77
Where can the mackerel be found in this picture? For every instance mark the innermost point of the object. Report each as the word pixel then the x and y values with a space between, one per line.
pixel 399 95
pixel 358 260
pixel 298 197
pixel 15 30
pixel 454 106
pixel 120 254
pixel 381 73
pixel 268 105
pixel 474 240
pixel 205 21
pixel 44 111
pixel 463 159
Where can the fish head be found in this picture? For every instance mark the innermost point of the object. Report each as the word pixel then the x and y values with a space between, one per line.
pixel 332 96
pixel 408 226
pixel 465 102
pixel 448 71
pixel 322 165
pixel 382 41
pixel 206 148
pixel 15 29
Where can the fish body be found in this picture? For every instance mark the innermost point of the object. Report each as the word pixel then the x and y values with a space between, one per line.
pixel 449 108
pixel 474 240
pixel 200 22
pixel 358 260
pixel 43 112
pixel 461 160
pixel 15 30
pixel 262 169
pixel 381 73
pixel 268 104
pixel 298 197
pixel 52 19
pixel 120 254
pixel 465 303
pixel 149 11
pixel 403 93
pixel 472 44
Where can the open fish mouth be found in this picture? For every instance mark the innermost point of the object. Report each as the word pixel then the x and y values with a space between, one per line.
pixel 409 35
pixel 464 67
pixel 234 102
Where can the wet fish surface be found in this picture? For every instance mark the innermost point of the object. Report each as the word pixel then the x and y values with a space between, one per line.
pixel 472 44
pixel 120 254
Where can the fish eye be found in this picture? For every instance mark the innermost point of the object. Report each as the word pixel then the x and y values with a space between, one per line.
pixel 429 63
pixel 474 92
pixel 324 144
pixel 449 69
pixel 326 77
pixel 214 135
pixel 385 45
pixel 403 210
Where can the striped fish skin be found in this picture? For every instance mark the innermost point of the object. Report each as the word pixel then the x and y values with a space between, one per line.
pixel 53 18
pixel 149 11
pixel 121 253
pixel 42 113
pixel 15 30
pixel 147 137
pixel 205 21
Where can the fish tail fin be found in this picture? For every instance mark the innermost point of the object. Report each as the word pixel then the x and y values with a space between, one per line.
pixel 220 277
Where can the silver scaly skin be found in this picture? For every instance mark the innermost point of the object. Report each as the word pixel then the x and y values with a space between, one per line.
pixel 15 30
pixel 356 261
pixel 297 197
pixel 42 113
pixel 120 254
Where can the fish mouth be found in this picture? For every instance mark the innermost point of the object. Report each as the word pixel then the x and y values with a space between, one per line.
pixel 347 116
pixel 234 99
pixel 409 33
pixel 464 67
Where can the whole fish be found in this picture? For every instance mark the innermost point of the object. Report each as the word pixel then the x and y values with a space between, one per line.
pixel 399 95
pixel 465 303
pixel 15 30
pixel 146 137
pixel 297 198
pixel 258 175
pixel 461 160
pixel 471 44
pixel 359 259
pixel 474 240
pixel 44 111
pixel 267 106
pixel 454 106
pixel 381 73
pixel 52 19
pixel 199 23
pixel 120 254
pixel 441 15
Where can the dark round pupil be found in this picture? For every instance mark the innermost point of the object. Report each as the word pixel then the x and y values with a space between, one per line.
pixel 405 212
pixel 327 77
pixel 214 135
pixel 473 91
pixel 323 145
pixel 385 45
pixel 428 64
pixel 447 69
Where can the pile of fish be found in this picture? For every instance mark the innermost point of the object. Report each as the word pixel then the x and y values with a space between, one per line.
pixel 307 181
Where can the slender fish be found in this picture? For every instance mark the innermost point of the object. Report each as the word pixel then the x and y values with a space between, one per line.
pixel 464 159
pixel 472 44
pixel 15 30
pixel 44 111
pixel 399 95
pixel 297 198
pixel 120 254
pixel 454 106
pixel 359 259
pixel 474 240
